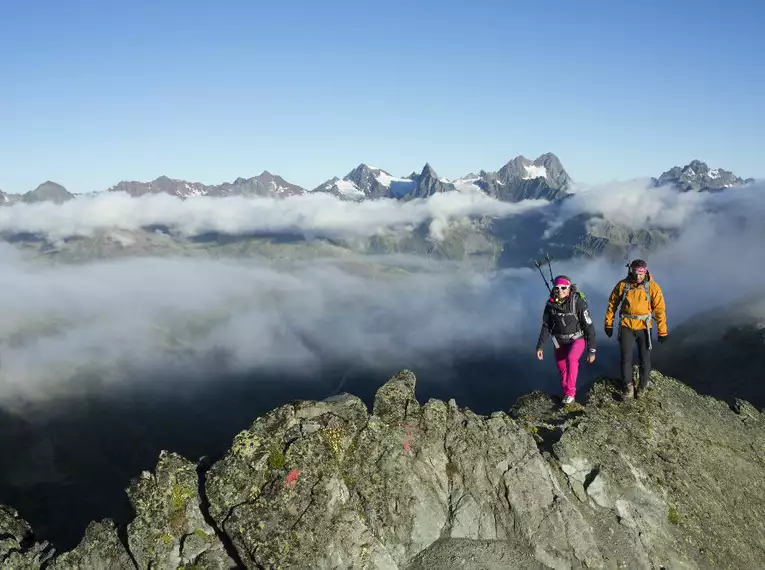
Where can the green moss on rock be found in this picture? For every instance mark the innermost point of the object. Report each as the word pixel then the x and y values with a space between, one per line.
pixel 181 494
pixel 276 460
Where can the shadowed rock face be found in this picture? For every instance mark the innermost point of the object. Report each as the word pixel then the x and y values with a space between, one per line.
pixel 671 480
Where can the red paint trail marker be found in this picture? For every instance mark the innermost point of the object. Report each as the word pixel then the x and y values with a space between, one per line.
pixel 292 478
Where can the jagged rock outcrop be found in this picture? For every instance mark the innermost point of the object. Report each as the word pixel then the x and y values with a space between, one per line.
pixel 523 179
pixel 100 549
pixel 372 182
pixel 368 182
pixel 18 549
pixel 364 182
pixel 696 176
pixel 427 183
pixel 169 530
pixel 672 480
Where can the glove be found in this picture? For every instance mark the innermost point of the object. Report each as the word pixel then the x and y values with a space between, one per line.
pixel 663 339
pixel 609 331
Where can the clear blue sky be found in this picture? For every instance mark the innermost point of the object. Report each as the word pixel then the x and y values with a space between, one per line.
pixel 93 92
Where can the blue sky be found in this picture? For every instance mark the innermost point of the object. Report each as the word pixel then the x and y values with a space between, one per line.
pixel 96 92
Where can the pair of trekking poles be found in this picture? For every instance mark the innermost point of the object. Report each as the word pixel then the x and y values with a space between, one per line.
pixel 538 265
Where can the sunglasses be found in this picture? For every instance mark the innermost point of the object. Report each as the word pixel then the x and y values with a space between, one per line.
pixel 561 287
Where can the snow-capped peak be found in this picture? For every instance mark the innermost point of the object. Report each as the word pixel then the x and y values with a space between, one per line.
pixel 385 179
pixel 467 185
pixel 534 171
pixel 348 188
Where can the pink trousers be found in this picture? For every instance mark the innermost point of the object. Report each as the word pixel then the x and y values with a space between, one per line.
pixel 567 358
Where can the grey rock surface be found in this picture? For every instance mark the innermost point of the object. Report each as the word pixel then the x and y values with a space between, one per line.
pixel 671 480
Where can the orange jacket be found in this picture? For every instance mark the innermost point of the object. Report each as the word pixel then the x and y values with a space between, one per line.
pixel 635 303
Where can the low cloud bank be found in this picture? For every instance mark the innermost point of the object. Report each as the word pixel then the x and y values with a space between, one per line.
pixel 637 204
pixel 63 324
pixel 716 256
pixel 313 214
pixel 70 329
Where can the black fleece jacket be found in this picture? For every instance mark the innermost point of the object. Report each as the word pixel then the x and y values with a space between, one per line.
pixel 558 319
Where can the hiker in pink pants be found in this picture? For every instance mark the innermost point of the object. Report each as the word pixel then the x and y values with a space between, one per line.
pixel 567 321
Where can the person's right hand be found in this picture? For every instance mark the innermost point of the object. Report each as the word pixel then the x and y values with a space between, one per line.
pixel 540 354
pixel 609 331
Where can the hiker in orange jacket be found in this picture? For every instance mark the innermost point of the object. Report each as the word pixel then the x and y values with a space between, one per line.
pixel 638 298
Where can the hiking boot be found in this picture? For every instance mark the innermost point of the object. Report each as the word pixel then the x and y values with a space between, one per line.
pixel 568 400
pixel 629 391
pixel 642 388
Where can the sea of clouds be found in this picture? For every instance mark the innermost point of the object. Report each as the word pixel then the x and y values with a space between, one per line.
pixel 66 328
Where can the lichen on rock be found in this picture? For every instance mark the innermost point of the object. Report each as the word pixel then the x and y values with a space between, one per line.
pixel 672 480
pixel 169 529
pixel 18 548
pixel 99 549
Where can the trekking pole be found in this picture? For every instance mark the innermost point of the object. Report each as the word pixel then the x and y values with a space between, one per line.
pixel 549 259
pixel 538 265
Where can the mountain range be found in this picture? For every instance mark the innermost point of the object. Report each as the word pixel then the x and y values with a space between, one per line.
pixel 482 241
pixel 520 179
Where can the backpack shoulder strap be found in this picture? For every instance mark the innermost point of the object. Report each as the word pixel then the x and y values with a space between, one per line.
pixel 645 286
pixel 627 287
pixel 647 289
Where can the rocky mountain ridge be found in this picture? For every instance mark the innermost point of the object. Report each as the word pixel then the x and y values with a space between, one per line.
pixel 325 484
pixel 696 176
pixel 48 191
pixel 264 184
pixel 519 179
pixel 478 241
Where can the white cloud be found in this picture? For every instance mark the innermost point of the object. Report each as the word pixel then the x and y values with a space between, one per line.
pixel 635 204
pixel 316 213
pixel 121 320
pixel 715 258
pixel 66 328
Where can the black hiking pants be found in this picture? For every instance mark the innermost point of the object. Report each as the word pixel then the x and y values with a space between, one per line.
pixel 627 339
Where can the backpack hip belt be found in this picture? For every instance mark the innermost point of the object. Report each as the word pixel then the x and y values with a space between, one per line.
pixel 573 336
pixel 645 318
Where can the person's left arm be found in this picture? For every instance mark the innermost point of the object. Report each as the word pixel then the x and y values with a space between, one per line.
pixel 585 321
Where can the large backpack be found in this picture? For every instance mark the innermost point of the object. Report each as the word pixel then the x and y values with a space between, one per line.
pixel 575 293
pixel 645 286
